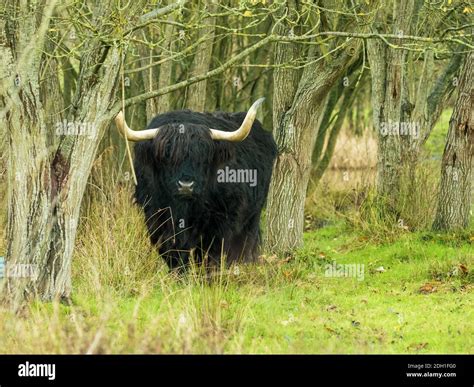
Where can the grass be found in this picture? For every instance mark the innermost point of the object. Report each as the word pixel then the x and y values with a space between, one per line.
pixel 416 297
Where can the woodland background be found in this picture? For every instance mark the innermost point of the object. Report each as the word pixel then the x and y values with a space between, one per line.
pixel 336 75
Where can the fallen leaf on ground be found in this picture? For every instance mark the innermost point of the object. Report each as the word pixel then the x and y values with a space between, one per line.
pixel 428 288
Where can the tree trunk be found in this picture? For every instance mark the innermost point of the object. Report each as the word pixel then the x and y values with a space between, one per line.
pixel 402 125
pixel 47 181
pixel 389 100
pixel 46 190
pixel 196 94
pixel 162 104
pixel 149 76
pixel 455 195
pixel 298 105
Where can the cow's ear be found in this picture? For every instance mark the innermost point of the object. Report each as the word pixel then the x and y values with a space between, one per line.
pixel 224 152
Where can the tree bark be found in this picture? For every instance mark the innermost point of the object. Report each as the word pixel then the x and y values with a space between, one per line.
pixel 149 77
pixel 152 79
pixel 196 93
pixel 46 182
pixel 394 107
pixel 389 101
pixel 299 102
pixel 162 104
pixel 455 197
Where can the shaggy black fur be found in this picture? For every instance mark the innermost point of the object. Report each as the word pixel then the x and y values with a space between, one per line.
pixel 218 219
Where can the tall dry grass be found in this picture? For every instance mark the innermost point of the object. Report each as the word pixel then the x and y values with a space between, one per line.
pixel 347 191
pixel 354 152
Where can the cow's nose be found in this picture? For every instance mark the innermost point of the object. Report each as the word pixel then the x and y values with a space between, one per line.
pixel 185 187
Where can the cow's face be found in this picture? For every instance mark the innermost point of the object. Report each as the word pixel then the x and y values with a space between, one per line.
pixel 187 159
pixel 187 155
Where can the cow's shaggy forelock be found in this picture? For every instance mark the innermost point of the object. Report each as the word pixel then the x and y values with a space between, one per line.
pixel 175 143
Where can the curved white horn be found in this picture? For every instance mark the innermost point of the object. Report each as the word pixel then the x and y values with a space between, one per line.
pixel 132 135
pixel 244 130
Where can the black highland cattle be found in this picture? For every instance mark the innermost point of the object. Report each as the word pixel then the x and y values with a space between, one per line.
pixel 203 179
